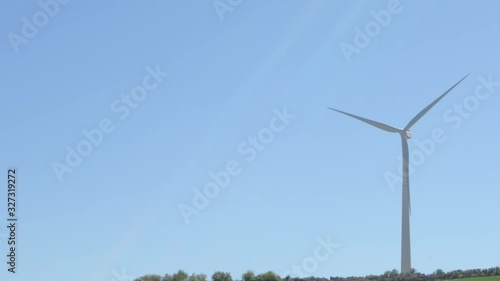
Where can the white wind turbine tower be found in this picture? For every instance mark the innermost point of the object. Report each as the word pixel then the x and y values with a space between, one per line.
pixel 405 135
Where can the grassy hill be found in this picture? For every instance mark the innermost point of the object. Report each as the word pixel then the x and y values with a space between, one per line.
pixel 488 278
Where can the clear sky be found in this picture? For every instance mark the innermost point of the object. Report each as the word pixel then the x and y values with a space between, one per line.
pixel 313 175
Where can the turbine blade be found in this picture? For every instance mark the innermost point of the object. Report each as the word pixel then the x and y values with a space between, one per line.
pixel 371 122
pixel 425 110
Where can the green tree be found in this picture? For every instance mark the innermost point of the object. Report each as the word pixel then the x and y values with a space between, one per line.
pixel 197 277
pixel 248 276
pixel 221 276
pixel 268 276
pixel 181 275
pixel 439 273
pixel 394 273
pixel 455 274
pixel 149 277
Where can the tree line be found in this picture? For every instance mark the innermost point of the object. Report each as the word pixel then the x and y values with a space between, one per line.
pixel 217 276
pixel 393 275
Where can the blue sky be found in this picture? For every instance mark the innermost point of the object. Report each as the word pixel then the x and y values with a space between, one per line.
pixel 319 176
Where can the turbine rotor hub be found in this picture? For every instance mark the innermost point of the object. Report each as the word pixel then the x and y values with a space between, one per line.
pixel 408 134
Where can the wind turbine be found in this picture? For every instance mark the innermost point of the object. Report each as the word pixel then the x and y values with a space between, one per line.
pixel 405 136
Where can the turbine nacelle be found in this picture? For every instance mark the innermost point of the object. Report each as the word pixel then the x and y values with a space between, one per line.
pixel 407 134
